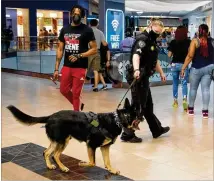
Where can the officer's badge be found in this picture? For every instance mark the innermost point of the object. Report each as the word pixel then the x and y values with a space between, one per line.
pixel 141 44
pixel 152 48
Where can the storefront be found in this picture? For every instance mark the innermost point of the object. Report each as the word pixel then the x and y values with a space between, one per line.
pixel 203 15
pixel 23 15
pixel 140 23
pixel 51 20
pixel 18 20
pixel 195 21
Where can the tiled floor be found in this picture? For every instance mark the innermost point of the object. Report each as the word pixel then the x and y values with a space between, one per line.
pixel 30 156
pixel 185 153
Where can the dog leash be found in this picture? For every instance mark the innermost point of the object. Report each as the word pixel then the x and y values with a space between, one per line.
pixel 133 82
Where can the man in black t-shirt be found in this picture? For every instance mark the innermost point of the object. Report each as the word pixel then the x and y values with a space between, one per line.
pixel 74 40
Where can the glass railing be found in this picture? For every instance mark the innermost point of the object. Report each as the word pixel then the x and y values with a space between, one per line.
pixel 32 43
pixel 29 56
pixel 33 54
pixel 121 59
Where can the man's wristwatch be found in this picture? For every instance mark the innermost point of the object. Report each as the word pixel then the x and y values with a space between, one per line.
pixel 79 55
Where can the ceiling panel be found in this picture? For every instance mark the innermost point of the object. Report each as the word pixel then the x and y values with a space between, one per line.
pixel 158 7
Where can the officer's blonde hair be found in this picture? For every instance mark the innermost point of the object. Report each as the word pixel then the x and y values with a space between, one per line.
pixel 156 21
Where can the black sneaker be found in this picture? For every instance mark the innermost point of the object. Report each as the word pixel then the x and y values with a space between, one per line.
pixel 104 87
pixel 95 90
pixel 135 139
pixel 82 106
pixel 164 130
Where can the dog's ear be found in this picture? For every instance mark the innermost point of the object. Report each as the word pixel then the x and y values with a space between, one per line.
pixel 127 104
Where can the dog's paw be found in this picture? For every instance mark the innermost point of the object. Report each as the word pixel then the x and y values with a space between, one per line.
pixel 64 169
pixel 86 164
pixel 114 171
pixel 51 167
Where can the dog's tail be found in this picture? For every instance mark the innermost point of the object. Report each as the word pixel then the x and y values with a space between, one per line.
pixel 26 119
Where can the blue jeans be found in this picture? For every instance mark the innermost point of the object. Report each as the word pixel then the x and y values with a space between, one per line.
pixel 203 76
pixel 176 69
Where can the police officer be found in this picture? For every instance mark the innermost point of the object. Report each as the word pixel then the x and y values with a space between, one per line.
pixel 144 63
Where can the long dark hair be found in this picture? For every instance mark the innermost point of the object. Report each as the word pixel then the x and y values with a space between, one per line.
pixel 181 33
pixel 203 36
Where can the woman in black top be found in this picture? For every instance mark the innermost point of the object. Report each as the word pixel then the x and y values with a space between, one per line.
pixel 178 50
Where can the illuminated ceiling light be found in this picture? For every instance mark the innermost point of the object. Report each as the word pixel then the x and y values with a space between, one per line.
pixel 53 15
pixel 7 16
pixel 19 13
pixel 139 12
pixel 39 15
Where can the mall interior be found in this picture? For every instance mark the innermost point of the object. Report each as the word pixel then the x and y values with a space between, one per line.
pixel 28 64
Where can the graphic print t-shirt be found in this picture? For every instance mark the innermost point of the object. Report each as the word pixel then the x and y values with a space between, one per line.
pixel 76 39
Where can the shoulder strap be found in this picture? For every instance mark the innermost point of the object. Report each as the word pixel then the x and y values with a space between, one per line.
pixel 198 42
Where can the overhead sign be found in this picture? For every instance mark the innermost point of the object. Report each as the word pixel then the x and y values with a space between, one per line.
pixel 114 27
pixel 148 22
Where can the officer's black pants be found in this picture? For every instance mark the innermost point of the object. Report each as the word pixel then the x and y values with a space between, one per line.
pixel 142 98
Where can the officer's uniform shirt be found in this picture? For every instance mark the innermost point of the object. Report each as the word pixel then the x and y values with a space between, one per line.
pixel 148 52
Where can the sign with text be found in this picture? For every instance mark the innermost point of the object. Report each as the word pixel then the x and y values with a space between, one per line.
pixel 114 27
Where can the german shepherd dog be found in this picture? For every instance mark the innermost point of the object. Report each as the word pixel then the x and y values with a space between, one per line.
pixel 100 130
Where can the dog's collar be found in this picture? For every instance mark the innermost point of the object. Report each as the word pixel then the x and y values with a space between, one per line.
pixel 117 120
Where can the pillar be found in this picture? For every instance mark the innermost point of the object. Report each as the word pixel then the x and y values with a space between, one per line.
pixel 33 28
pixel 3 15
pixel 84 4
pixel 212 21
pixel 112 21
pixel 66 18
pixel 102 10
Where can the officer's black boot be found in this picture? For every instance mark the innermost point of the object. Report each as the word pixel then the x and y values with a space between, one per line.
pixel 129 136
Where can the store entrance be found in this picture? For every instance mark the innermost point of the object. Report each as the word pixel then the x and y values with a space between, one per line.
pixel 49 24
pixel 50 20
pixel 17 21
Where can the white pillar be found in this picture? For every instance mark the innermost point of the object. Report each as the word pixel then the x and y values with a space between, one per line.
pixel 212 20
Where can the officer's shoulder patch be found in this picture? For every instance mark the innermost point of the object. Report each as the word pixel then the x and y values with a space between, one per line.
pixel 141 43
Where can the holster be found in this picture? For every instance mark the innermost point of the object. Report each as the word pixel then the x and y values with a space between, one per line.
pixel 135 88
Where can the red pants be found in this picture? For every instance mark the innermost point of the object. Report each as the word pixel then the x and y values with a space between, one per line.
pixel 71 84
